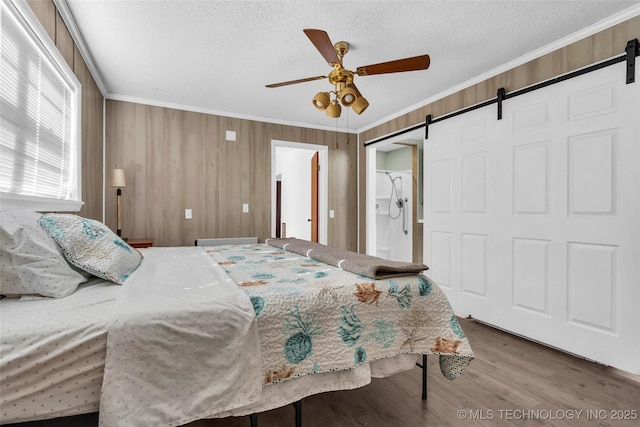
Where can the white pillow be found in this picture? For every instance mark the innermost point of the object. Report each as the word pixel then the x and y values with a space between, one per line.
pixel 92 246
pixel 30 261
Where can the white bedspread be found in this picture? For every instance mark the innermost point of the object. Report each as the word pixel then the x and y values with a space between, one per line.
pixel 179 351
pixel 52 353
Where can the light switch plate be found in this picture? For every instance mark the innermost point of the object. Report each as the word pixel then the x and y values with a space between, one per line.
pixel 231 135
pixel 245 208
pixel 332 214
pixel 188 214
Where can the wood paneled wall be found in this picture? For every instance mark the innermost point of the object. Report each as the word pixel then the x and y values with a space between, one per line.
pixel 600 46
pixel 174 160
pixel 92 106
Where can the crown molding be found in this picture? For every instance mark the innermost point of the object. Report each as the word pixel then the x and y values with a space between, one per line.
pixel 76 35
pixel 615 19
pixel 194 109
pixel 612 20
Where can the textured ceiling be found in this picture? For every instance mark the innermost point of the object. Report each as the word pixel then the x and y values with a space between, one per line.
pixel 217 56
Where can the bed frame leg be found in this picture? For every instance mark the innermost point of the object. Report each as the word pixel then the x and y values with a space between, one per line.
pixel 298 406
pixel 254 420
pixel 424 376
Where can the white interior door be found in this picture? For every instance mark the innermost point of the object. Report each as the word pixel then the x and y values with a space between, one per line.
pixel 323 184
pixel 532 223
pixel 294 167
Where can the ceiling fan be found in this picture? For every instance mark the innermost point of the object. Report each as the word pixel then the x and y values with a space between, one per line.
pixel 342 79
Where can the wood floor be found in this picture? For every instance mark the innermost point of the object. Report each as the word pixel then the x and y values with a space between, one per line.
pixel 512 382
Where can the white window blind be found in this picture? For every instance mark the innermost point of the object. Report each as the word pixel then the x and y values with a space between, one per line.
pixel 39 113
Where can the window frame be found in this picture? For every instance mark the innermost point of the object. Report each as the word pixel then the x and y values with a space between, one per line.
pixel 20 11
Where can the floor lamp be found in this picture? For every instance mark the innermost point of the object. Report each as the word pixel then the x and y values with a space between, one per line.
pixel 118 181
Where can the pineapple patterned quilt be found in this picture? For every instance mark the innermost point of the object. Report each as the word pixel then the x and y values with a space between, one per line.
pixel 313 317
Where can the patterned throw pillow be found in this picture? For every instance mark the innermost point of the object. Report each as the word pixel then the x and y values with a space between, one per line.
pixel 30 261
pixel 90 245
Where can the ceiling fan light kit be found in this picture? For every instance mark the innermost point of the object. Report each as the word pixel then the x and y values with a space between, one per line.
pixel 342 79
pixel 334 109
pixel 359 105
pixel 321 100
pixel 348 96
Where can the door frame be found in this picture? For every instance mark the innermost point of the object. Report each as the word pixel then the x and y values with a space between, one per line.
pixel 370 178
pixel 323 184
pixel 315 175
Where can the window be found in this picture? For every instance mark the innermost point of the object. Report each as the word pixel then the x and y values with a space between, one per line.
pixel 39 117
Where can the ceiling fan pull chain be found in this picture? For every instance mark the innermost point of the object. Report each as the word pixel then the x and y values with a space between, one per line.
pixel 347 127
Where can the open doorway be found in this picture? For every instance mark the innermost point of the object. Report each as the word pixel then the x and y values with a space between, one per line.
pixel 299 190
pixel 395 198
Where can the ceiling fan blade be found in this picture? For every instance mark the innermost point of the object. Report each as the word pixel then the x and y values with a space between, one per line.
pixel 355 88
pixel 407 64
pixel 321 41
pixel 292 82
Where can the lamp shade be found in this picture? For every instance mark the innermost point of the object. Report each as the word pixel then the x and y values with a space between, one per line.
pixel 334 109
pixel 321 100
pixel 360 105
pixel 117 178
pixel 348 96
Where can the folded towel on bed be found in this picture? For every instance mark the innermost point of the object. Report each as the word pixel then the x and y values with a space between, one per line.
pixel 364 265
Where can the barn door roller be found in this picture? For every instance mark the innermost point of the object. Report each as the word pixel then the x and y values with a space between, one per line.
pixel 632 51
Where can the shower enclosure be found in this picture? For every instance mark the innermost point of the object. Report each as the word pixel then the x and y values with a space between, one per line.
pixel 394 215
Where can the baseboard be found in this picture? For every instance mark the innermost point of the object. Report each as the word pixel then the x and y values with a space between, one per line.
pixel 611 369
pixel 620 372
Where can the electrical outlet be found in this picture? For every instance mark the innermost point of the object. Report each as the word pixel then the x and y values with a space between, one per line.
pixel 188 214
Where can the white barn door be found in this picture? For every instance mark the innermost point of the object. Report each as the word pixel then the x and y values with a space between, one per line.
pixel 532 222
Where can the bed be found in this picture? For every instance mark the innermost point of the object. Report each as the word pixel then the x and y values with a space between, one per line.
pixel 202 332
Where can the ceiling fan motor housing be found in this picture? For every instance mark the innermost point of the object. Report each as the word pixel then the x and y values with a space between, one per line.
pixel 340 77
